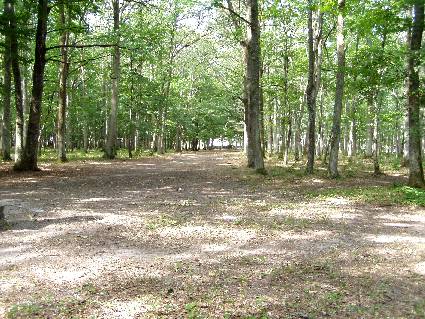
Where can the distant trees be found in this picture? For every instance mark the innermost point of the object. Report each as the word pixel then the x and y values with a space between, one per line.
pixel 176 75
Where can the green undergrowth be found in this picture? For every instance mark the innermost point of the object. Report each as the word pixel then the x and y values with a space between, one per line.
pixel 390 195
pixel 50 155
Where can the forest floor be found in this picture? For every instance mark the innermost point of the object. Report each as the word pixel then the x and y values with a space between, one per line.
pixel 198 235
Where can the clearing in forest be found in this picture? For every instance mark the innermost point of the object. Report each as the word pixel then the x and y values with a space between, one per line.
pixel 198 236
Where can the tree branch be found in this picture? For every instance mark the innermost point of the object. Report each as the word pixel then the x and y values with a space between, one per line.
pixel 234 14
pixel 81 46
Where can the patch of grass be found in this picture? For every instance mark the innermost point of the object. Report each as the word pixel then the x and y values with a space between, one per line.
pixel 4 225
pixel 419 309
pixel 49 308
pixel 25 310
pixel 161 221
pixel 192 310
pixel 389 195
pixel 50 155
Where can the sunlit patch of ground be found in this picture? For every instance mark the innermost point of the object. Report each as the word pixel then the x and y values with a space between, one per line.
pixel 197 235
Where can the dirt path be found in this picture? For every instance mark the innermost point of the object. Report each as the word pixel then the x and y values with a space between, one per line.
pixel 196 235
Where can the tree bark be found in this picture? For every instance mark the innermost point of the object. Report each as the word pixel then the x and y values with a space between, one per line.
pixel 314 78
pixel 310 94
pixel 7 86
pixel 16 69
pixel 63 79
pixel 253 85
pixel 29 155
pixel 376 144
pixel 416 174
pixel 111 137
pixel 286 105
pixel 339 94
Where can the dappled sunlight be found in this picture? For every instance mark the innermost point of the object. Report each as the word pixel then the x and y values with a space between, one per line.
pixel 96 199
pixel 214 248
pixel 390 239
pixel 337 201
pixel 344 215
pixel 416 217
pixel 419 268
pixel 126 309
pixel 228 218
pixel 207 232
pixel 399 225
pixel 306 235
pixel 124 243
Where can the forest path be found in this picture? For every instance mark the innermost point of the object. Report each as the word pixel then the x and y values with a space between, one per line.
pixel 197 233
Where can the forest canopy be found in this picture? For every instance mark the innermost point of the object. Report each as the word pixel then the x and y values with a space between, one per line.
pixel 289 78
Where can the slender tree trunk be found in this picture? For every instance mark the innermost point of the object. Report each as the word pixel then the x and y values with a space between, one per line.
pixel 376 144
pixel 339 94
pixel 85 115
pixel 111 138
pixel 321 134
pixel 63 79
pixel 270 133
pixel 25 108
pixel 416 174
pixel 286 105
pixel 352 144
pixel 7 87
pixel 314 78
pixel 297 135
pixel 276 132
pixel 253 85
pixel 16 69
pixel 369 138
pixel 29 155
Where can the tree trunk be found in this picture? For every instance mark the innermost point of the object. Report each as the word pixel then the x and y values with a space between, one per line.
pixel 352 143
pixel 253 85
pixel 416 174
pixel 339 94
pixel 29 154
pixel 369 138
pixel 376 144
pixel 16 69
pixel 111 137
pixel 314 78
pixel 7 87
pixel 297 135
pixel 63 79
pixel 286 105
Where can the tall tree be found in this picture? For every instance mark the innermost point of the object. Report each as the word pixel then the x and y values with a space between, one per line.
pixel 7 85
pixel 63 80
pixel 253 86
pixel 416 174
pixel 314 77
pixel 29 155
pixel 16 70
pixel 339 94
pixel 111 137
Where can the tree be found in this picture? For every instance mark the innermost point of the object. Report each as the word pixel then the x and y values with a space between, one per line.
pixel 111 136
pixel 314 78
pixel 28 161
pixel 253 86
pixel 339 94
pixel 416 175
pixel 16 70
pixel 63 81
pixel 7 86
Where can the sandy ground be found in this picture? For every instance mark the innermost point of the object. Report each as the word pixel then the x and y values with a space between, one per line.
pixel 199 236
